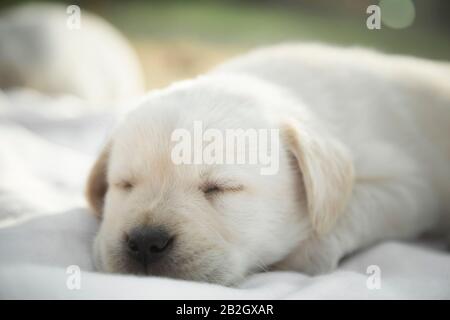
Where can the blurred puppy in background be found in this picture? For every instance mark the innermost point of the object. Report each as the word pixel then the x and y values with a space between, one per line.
pixel 39 49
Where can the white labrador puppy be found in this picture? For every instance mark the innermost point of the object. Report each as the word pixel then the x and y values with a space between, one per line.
pixel 41 47
pixel 364 157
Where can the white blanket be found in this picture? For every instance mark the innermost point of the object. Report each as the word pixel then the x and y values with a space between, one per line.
pixel 46 148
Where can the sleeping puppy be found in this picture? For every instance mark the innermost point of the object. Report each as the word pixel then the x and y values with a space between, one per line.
pixel 363 156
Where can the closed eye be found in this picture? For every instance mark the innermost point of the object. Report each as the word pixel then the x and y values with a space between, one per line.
pixel 216 188
pixel 124 185
pixel 212 189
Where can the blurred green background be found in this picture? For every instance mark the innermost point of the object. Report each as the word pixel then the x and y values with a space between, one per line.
pixel 176 39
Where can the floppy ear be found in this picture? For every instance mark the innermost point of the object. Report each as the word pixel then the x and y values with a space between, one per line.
pixel 327 171
pixel 97 184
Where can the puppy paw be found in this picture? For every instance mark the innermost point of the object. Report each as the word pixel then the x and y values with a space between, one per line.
pixel 312 257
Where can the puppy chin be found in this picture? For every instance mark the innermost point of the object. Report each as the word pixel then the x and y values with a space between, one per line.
pixel 224 271
pixel 102 258
pixel 96 255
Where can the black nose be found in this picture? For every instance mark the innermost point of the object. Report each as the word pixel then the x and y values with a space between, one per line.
pixel 148 244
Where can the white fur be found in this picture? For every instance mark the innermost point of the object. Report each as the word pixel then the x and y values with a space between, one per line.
pixel 365 140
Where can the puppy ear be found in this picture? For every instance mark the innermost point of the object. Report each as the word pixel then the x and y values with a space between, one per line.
pixel 97 184
pixel 327 171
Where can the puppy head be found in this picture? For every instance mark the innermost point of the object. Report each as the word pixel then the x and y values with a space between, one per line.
pixel 209 222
